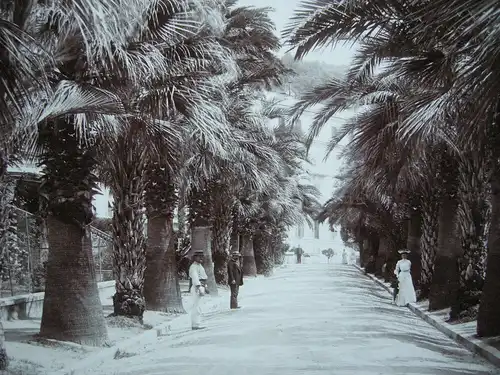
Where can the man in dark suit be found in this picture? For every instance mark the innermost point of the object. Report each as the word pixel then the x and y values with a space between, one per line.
pixel 235 278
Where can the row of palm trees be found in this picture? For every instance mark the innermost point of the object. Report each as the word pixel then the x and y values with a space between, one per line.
pixel 163 102
pixel 422 164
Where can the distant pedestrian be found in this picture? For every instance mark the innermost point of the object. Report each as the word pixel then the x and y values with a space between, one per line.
pixel 406 290
pixel 198 278
pixel 235 278
pixel 299 252
pixel 344 257
pixel 370 265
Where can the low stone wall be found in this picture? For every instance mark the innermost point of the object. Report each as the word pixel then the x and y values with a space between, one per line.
pixel 27 306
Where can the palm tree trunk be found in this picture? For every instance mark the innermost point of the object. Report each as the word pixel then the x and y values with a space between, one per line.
pixel 129 249
pixel 445 279
pixel 222 226
pixel 201 240
pixel 162 291
pixel 263 259
pixel 413 243
pixel 7 188
pixel 249 266
pixel 362 253
pixel 370 249
pixel 6 197
pixel 72 308
pixel 200 208
pixel 473 217
pixel 382 255
pixel 428 243
pixel 161 282
pixel 4 360
pixel 235 240
pixel 488 320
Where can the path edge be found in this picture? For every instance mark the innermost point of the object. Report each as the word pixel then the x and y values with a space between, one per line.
pixel 161 329
pixel 486 351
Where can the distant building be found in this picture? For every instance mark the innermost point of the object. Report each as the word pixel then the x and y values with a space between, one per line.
pixel 317 237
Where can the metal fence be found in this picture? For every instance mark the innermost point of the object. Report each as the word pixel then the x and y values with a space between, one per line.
pixel 25 252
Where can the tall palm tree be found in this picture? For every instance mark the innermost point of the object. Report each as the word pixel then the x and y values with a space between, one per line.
pixel 458 88
pixel 23 70
pixel 79 43
pixel 248 164
pixel 249 34
pixel 182 90
pixel 476 79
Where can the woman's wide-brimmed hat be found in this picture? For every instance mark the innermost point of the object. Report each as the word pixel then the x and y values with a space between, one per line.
pixel 198 252
pixel 404 251
pixel 235 254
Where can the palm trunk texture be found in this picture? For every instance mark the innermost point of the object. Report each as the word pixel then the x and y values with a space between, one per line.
pixel 428 243
pixel 161 282
pixel 129 254
pixel 263 259
pixel 382 255
pixel 488 321
pixel 413 244
pixel 6 197
pixel 249 266
pixel 222 227
pixel 444 285
pixel 72 308
pixel 473 215
pixel 162 291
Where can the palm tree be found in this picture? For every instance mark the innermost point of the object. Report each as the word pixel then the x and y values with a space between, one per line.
pixel 66 119
pixel 248 164
pixel 263 216
pixel 181 90
pixel 23 70
pixel 459 83
pixel 249 35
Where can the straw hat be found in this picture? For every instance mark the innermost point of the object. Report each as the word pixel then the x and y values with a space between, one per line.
pixel 404 251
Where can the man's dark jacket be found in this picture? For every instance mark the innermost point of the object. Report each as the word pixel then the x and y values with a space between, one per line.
pixel 234 273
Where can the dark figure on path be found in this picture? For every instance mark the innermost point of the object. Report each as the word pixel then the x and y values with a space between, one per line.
pixel 370 265
pixel 299 252
pixel 235 278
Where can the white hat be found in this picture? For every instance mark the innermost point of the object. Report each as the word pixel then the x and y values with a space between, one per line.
pixel 404 251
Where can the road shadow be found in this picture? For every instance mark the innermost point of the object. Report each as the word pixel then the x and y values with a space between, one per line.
pixel 20 334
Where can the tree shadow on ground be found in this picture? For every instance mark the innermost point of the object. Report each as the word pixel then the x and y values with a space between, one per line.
pixel 20 334
pixel 411 368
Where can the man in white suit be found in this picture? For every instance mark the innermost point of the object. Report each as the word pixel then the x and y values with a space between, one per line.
pixel 198 278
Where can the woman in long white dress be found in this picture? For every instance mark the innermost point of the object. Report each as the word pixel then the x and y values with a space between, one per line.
pixel 406 293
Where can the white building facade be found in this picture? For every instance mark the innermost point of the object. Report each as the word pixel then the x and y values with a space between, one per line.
pixel 313 239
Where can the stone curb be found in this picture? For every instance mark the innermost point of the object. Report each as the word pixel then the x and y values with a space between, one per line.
pixel 163 329
pixel 475 346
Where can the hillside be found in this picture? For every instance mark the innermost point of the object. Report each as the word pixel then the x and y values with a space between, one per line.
pixel 308 74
